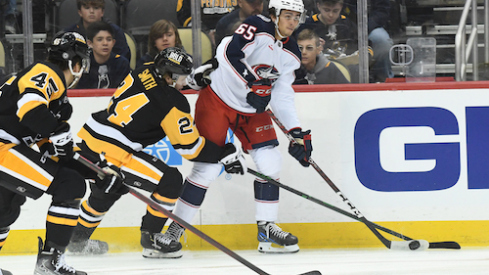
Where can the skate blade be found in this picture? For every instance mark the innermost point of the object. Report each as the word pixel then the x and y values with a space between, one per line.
pixel 155 254
pixel 270 248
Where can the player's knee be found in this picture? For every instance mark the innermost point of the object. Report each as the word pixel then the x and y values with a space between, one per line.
pixel 10 209
pixel 205 173
pixel 268 160
pixel 171 184
pixel 67 185
pixel 68 204
pixel 101 201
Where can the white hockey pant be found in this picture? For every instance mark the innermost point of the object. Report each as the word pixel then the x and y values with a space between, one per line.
pixel 268 162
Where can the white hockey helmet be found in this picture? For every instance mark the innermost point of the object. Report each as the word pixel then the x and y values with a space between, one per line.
pixel 292 5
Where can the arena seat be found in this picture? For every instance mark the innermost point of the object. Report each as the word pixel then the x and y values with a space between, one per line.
pixel 131 42
pixel 186 37
pixel 2 59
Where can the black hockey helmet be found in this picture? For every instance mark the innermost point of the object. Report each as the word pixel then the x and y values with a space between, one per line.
pixel 66 45
pixel 70 46
pixel 173 61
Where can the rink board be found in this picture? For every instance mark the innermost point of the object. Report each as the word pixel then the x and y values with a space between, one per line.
pixel 412 157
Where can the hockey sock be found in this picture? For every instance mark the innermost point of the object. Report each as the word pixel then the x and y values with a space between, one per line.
pixel 266 201
pixel 154 220
pixel 192 197
pixel 82 233
pixel 3 235
pixel 61 221
pixel 87 222
pixel 265 191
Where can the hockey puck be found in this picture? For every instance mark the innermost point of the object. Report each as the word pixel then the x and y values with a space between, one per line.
pixel 414 245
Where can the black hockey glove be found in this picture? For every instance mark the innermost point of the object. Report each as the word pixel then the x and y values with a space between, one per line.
pixel 60 143
pixel 199 78
pixel 233 160
pixel 112 183
pixel 61 109
pixel 260 95
pixel 302 148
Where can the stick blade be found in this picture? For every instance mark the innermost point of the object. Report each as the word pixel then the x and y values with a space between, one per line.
pixel 410 245
pixel 314 272
pixel 444 245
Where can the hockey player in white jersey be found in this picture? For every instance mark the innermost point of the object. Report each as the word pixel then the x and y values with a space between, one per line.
pixel 256 68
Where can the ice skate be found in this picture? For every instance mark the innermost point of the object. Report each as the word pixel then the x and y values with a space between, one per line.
pixel 52 262
pixel 158 245
pixel 271 234
pixel 88 247
pixel 5 272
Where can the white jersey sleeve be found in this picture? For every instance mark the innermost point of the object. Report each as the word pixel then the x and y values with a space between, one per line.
pixel 282 102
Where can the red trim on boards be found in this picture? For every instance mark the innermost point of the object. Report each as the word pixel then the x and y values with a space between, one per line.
pixel 392 86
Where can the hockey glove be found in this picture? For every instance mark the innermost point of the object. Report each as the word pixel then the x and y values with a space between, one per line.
pixel 199 78
pixel 260 95
pixel 233 160
pixel 302 148
pixel 112 183
pixel 61 109
pixel 60 143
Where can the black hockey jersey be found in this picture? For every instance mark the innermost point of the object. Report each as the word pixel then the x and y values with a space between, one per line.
pixel 32 104
pixel 142 111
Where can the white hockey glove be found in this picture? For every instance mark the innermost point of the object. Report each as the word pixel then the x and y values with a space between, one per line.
pixel 233 160
pixel 199 78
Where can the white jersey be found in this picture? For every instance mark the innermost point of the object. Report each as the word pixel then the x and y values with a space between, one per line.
pixel 252 48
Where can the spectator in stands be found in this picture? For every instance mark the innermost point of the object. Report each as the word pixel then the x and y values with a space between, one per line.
pixel 338 34
pixel 9 15
pixel 107 69
pixel 163 34
pixel 378 17
pixel 310 6
pixel 227 25
pixel 211 12
pixel 92 11
pixel 315 67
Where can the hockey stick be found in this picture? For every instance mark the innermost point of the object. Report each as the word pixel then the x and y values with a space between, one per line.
pixel 191 228
pixel 411 244
pixel 394 244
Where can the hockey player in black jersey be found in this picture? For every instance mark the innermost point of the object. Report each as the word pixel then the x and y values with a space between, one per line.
pixel 142 111
pixel 34 109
